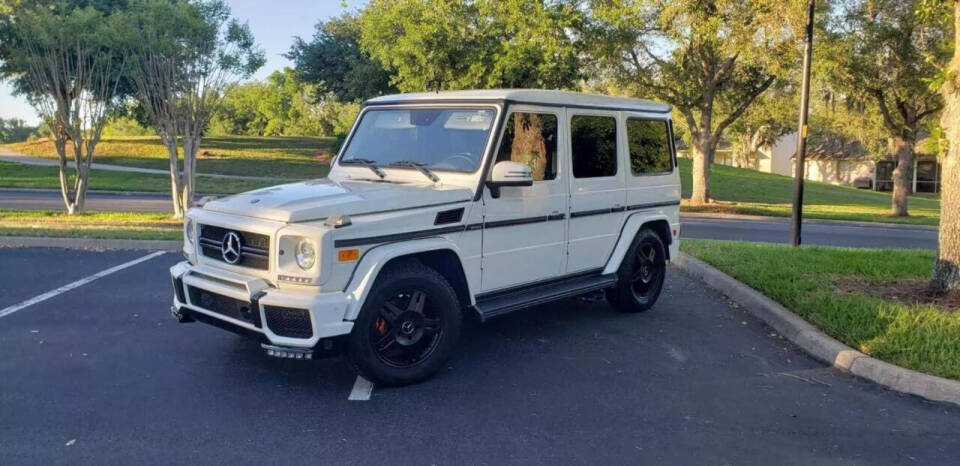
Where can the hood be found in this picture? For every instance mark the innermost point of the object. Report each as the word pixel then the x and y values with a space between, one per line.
pixel 317 199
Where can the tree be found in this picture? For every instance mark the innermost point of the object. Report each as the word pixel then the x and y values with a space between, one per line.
pixel 880 50
pixel 186 54
pixel 68 62
pixel 433 45
pixel 335 62
pixel 15 130
pixel 946 271
pixel 282 105
pixel 709 59
pixel 772 116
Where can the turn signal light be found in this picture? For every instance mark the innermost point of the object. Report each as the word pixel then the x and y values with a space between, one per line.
pixel 348 255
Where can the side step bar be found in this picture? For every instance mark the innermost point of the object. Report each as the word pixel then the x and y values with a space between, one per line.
pixel 509 301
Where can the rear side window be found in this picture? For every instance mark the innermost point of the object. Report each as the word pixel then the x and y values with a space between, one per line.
pixel 649 146
pixel 531 138
pixel 593 140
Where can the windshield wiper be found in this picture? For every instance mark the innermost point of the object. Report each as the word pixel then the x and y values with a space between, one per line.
pixel 419 166
pixel 371 164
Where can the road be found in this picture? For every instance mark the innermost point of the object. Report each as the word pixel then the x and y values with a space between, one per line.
pixel 101 374
pixel 52 200
pixel 772 230
pixel 833 234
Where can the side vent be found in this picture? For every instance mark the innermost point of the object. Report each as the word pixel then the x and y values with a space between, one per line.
pixel 449 216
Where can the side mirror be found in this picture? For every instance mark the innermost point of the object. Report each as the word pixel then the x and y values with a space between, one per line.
pixel 509 173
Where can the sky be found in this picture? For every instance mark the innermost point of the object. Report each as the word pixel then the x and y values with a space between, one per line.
pixel 274 24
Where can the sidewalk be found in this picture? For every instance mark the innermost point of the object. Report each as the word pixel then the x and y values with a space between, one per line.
pixel 9 156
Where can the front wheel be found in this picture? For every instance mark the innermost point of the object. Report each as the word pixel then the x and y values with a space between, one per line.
pixel 408 326
pixel 641 274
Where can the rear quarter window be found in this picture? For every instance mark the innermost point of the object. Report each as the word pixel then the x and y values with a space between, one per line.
pixel 649 147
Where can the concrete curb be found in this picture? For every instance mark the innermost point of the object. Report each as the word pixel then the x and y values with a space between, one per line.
pixel 94 244
pixel 811 221
pixel 817 343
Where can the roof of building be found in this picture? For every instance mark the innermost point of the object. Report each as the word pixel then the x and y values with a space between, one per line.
pixel 834 147
pixel 529 96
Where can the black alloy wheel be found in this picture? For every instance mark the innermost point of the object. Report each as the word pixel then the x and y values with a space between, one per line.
pixel 641 274
pixel 408 326
pixel 407 330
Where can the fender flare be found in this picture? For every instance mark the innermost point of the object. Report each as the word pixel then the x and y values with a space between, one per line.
pixel 370 265
pixel 630 228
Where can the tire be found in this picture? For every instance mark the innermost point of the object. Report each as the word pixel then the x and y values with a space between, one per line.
pixel 641 274
pixel 408 326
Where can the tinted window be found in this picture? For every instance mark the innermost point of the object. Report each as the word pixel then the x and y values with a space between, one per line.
pixel 531 138
pixel 593 140
pixel 649 149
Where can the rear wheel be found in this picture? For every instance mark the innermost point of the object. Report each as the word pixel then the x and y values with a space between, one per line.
pixel 408 326
pixel 641 274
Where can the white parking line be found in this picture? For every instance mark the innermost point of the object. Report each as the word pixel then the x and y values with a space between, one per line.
pixel 362 388
pixel 83 281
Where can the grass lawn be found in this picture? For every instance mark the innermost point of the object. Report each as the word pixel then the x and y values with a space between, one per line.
pixel 844 292
pixel 89 225
pixel 16 175
pixel 742 191
pixel 283 157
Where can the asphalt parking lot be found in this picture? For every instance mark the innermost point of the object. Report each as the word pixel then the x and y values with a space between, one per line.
pixel 100 374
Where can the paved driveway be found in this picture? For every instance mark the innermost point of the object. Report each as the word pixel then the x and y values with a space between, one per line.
pixel 100 374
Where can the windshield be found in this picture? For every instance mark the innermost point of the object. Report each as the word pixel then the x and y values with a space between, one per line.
pixel 449 139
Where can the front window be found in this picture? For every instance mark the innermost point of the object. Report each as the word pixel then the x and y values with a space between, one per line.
pixel 445 139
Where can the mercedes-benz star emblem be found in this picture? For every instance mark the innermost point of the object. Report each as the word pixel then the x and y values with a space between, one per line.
pixel 230 247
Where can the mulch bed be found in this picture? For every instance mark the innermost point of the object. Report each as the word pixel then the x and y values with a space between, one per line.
pixel 911 292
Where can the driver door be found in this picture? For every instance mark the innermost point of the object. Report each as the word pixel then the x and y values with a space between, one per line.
pixel 525 228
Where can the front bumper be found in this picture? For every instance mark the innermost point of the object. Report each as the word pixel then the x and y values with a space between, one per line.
pixel 251 307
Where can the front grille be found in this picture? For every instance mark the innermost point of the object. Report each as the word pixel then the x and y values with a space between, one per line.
pixel 289 322
pixel 224 305
pixel 254 250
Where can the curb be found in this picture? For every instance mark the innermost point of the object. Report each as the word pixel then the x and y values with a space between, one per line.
pixel 93 244
pixel 817 343
pixel 810 221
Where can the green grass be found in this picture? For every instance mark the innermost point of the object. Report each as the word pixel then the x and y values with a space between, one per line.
pixel 15 175
pixel 920 337
pixel 111 225
pixel 743 191
pixel 283 157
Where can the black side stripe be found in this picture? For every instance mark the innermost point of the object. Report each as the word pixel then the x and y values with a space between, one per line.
pixel 653 204
pixel 587 213
pixel 342 243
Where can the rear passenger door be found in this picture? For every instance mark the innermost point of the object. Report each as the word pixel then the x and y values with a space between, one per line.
pixel 597 195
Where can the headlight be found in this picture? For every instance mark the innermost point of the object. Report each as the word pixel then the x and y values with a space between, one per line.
pixel 188 230
pixel 306 254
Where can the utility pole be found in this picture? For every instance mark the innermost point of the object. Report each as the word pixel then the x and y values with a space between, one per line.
pixel 801 157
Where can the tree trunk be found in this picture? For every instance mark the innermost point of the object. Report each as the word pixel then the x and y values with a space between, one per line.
pixel 191 144
pixel 702 152
pixel 902 175
pixel 946 273
pixel 175 193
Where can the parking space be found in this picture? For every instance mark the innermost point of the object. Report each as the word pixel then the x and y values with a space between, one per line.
pixel 101 374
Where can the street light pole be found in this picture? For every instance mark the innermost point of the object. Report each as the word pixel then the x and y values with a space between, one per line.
pixel 802 131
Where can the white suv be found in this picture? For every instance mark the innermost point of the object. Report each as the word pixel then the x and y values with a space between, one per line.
pixel 439 206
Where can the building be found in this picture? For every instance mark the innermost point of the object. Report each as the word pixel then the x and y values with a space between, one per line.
pixel 836 161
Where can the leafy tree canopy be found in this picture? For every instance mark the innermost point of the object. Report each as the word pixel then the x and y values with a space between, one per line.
pixel 336 64
pixel 455 44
